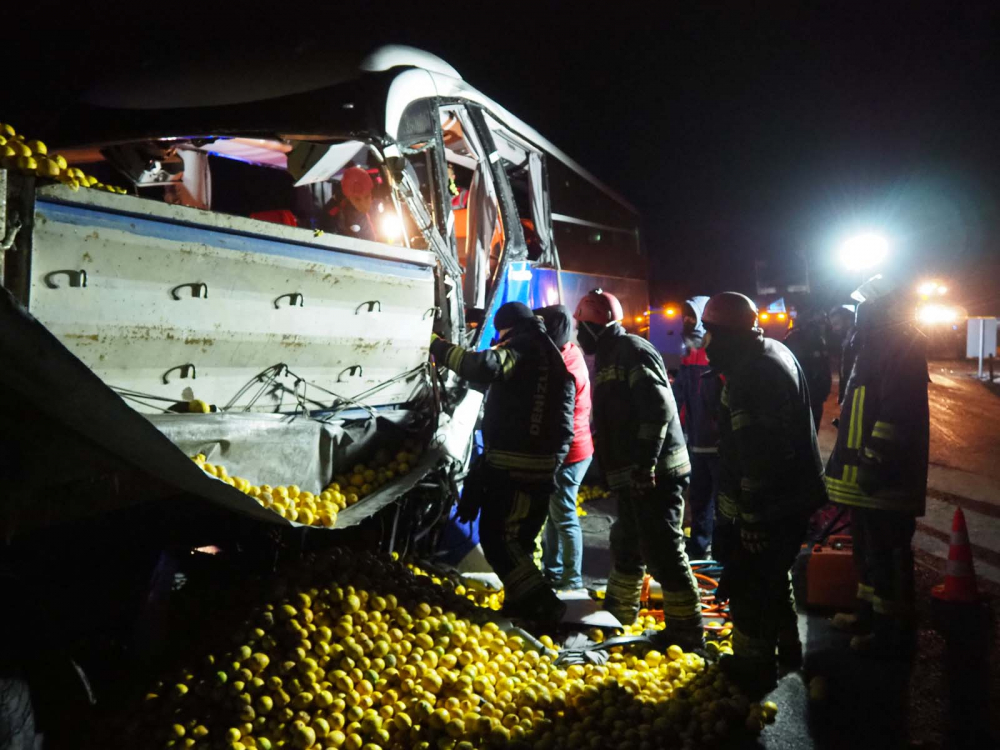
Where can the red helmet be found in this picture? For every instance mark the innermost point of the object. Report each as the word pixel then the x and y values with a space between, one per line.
pixel 730 310
pixel 356 182
pixel 599 307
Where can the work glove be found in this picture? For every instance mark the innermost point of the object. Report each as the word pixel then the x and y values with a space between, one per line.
pixel 473 490
pixel 468 506
pixel 870 474
pixel 643 479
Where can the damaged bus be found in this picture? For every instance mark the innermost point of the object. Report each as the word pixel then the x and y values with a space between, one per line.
pixel 225 276
pixel 261 296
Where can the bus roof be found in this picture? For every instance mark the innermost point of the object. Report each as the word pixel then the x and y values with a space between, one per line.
pixel 238 96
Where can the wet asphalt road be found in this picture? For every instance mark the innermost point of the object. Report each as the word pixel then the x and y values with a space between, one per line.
pixel 871 703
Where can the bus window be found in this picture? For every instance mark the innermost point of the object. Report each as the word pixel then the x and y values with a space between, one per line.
pixel 479 232
pixel 588 247
pixel 525 172
pixel 418 138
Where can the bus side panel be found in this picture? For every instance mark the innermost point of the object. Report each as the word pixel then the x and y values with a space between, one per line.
pixel 633 293
pixel 179 311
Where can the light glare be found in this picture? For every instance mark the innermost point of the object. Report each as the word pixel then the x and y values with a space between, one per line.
pixel 864 251
pixel 935 314
pixel 392 226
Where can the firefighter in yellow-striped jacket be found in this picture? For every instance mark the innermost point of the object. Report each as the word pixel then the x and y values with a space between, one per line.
pixel 527 429
pixel 641 450
pixel 771 481
pixel 879 466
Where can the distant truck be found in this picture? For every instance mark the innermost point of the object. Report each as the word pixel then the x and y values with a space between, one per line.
pixel 782 287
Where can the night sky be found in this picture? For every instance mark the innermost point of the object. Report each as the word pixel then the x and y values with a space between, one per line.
pixel 735 133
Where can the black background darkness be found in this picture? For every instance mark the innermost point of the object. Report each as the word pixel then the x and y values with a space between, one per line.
pixel 736 132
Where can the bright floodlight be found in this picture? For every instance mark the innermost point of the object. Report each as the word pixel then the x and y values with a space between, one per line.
pixel 863 251
pixel 934 314
pixel 927 288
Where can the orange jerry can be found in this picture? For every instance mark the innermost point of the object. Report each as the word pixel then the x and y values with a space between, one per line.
pixel 831 580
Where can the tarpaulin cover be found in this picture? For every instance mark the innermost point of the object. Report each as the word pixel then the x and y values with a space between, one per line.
pixel 61 424
pixel 264 448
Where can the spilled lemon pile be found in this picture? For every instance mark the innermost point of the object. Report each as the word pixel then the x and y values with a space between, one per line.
pixel 296 504
pixel 394 661
pixel 588 492
pixel 472 590
pixel 33 157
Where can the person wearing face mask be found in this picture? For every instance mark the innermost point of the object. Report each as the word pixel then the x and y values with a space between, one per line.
pixel 697 389
pixel 640 447
pixel 527 429
pixel 771 481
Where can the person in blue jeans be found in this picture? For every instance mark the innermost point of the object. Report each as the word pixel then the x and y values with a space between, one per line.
pixel 697 390
pixel 562 539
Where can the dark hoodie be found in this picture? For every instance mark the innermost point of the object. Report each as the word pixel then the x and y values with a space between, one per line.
pixel 696 388
pixel 557 325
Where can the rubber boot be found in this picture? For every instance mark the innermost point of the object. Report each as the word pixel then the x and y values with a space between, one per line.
pixel 622 597
pixel 689 639
pixel 755 677
pixel 624 613
pixel 541 607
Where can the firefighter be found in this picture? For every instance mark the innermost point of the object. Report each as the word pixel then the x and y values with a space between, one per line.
pixel 641 451
pixel 527 429
pixel 807 341
pixel 697 389
pixel 878 467
pixel 771 480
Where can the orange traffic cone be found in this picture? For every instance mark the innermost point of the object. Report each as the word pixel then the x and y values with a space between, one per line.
pixel 959 579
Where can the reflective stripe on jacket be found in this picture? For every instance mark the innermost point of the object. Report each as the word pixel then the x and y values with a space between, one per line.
pixel 635 415
pixel 880 458
pixel 528 417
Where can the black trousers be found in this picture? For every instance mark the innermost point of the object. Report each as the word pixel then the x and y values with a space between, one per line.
pixel 647 533
pixel 883 558
pixel 761 601
pixel 511 517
